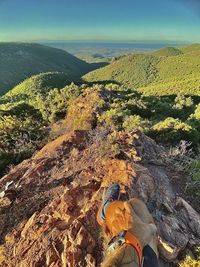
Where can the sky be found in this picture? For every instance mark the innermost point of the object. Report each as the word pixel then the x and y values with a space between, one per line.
pixel 100 20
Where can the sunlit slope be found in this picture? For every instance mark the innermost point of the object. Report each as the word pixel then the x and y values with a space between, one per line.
pixel 167 51
pixel 135 71
pixel 189 85
pixel 132 70
pixel 189 48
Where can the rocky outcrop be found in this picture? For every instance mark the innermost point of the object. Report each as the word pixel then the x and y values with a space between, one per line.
pixel 51 220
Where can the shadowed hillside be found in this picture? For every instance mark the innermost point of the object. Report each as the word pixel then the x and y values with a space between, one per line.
pixel 19 61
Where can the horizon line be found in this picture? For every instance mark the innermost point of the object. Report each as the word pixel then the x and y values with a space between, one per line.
pixel 101 41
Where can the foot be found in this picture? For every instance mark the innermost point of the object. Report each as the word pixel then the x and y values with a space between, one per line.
pixel 112 194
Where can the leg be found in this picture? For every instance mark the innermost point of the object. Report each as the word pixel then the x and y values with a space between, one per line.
pixel 150 257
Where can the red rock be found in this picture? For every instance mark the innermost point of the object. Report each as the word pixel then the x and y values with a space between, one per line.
pixel 53 220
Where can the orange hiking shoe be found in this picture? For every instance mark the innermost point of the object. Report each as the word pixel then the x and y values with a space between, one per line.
pixel 112 194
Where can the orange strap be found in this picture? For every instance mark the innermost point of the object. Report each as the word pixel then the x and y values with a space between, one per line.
pixel 134 242
pixel 129 238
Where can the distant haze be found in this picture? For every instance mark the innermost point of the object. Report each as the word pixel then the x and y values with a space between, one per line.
pixel 107 49
pixel 111 45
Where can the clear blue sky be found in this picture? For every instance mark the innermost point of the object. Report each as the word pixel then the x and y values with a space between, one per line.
pixel 111 20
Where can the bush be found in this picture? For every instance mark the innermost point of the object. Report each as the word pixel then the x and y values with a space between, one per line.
pixel 21 132
pixel 171 124
pixel 112 117
pixel 196 114
pixel 135 122
pixel 182 101
pixel 57 101
pixel 174 130
pixel 189 262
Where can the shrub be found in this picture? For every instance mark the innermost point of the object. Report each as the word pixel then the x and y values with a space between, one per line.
pixel 173 130
pixel 135 122
pixel 112 117
pixel 196 114
pixel 171 124
pixel 21 132
pixel 189 262
pixel 182 101
pixel 57 101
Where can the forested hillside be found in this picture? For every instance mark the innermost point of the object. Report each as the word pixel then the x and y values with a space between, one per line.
pixel 166 71
pixel 19 61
